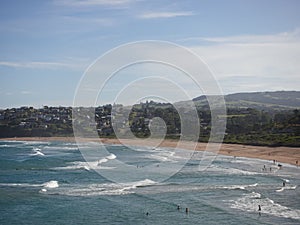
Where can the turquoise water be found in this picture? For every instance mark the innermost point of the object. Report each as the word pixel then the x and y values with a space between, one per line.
pixel 50 183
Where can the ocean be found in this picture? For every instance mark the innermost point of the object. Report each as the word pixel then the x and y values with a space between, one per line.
pixel 51 183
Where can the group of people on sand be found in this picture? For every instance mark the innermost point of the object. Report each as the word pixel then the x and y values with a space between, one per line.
pixel 274 162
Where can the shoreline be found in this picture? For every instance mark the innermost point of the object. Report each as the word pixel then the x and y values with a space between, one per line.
pixel 281 154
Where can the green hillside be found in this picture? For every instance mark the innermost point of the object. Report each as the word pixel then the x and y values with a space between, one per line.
pixel 269 101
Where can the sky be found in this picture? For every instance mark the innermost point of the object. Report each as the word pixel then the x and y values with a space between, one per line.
pixel 47 46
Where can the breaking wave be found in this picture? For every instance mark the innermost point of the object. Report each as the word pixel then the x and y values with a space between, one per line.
pixel 249 202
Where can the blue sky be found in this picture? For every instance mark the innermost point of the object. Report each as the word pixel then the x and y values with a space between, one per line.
pixel 45 46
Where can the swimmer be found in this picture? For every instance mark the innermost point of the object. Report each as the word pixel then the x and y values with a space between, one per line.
pixel 187 210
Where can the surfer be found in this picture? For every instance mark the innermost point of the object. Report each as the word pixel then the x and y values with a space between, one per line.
pixel 178 207
pixel 283 183
pixel 147 213
pixel 259 209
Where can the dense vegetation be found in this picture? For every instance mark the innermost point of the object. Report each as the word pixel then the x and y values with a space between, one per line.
pixel 244 125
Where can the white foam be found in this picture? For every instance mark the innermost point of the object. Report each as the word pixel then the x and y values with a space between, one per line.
pixel 249 203
pixel 241 187
pixel 105 188
pixel 78 165
pixel 214 168
pixel 8 146
pixel 19 185
pixel 75 166
pixel 35 142
pixel 105 159
pixel 111 156
pixel 51 184
pixel 163 155
pixel 159 158
pixel 61 148
pixel 286 188
pixel 37 152
pixel 141 183
pixel 13 144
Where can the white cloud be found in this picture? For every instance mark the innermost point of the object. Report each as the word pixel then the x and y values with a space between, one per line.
pixel 251 39
pixel 80 3
pixel 85 21
pixel 41 65
pixel 26 92
pixel 267 62
pixel 154 15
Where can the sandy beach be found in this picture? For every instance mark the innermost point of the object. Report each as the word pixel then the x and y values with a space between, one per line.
pixel 280 154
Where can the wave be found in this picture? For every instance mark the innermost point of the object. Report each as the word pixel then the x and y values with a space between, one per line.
pixel 240 187
pixel 111 156
pixel 105 159
pixel 15 145
pixel 37 152
pixel 103 189
pixel 74 166
pixel 231 171
pixel 78 165
pixel 162 155
pixel 49 184
pixel 160 158
pixel 250 201
pixel 8 146
pixel 61 147
pixel 142 183
pixel 22 144
pixel 286 188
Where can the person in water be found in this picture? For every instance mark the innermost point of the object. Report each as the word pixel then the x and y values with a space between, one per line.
pixel 178 207
pixel 186 210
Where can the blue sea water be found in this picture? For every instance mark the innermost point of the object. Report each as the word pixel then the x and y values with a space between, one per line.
pixel 51 183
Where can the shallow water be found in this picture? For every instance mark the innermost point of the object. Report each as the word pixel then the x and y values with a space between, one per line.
pixel 51 183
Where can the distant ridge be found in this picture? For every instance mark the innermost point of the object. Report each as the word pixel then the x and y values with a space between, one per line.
pixel 277 100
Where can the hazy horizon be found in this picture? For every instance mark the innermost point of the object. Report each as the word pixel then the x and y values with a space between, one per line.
pixel 3 108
